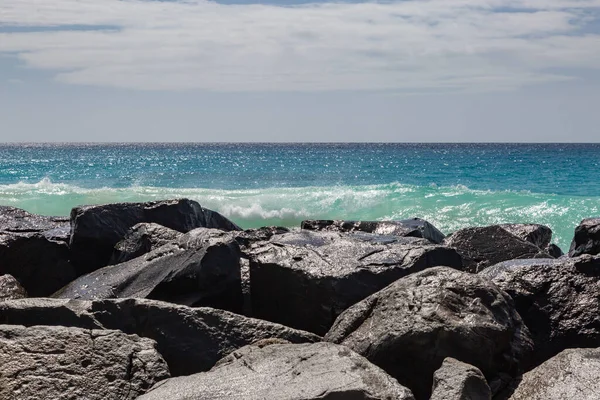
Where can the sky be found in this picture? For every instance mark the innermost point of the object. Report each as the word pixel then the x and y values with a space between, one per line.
pixel 298 71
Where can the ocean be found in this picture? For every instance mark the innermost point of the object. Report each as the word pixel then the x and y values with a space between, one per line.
pixel 451 185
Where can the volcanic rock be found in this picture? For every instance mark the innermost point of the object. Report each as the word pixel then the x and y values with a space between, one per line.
pixel 539 235
pixel 51 362
pixel 285 372
pixel 141 239
pixel 587 238
pixel 456 380
pixel 191 340
pixel 412 325
pixel 10 289
pixel 306 279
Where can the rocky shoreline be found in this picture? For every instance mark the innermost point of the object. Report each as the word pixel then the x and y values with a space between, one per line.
pixel 169 300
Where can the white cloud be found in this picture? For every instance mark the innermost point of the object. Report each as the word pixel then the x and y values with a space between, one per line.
pixel 407 45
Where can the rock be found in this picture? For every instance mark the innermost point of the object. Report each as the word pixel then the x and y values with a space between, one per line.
pixel 554 251
pixel 141 239
pixel 539 235
pixel 50 362
pixel 190 339
pixel 414 227
pixel 10 289
pixel 201 268
pixel 482 247
pixel 456 380
pixel 285 372
pixel 306 279
pixel 557 299
pixel 572 374
pixel 412 325
pixel 587 238
pixel 95 230
pixel 34 250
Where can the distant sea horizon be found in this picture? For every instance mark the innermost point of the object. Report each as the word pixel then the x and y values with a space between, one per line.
pixel 452 185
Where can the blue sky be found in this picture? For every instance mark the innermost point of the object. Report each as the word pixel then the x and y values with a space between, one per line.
pixel 412 70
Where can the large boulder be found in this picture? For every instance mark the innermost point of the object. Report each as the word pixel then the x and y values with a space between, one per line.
pixel 201 268
pixel 572 374
pixel 587 238
pixel 306 279
pixel 539 235
pixel 95 230
pixel 412 325
pixel 141 239
pixel 559 300
pixel 456 380
pixel 11 289
pixel 285 372
pixel 414 227
pixel 34 249
pixel 51 362
pixel 481 247
pixel 190 339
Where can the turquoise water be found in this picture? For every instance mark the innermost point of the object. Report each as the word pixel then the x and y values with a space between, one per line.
pixel 451 185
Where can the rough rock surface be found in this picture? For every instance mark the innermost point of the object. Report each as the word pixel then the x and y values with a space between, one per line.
pixel 141 239
pixel 554 251
pixel 286 372
pixel 50 362
pixel 587 238
pixel 559 300
pixel 456 380
pixel 190 339
pixel 34 249
pixel 414 227
pixel 10 289
pixel 482 247
pixel 572 374
pixel 201 268
pixel 95 230
pixel 306 279
pixel 412 325
pixel 539 235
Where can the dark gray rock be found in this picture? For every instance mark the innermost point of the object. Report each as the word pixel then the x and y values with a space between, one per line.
pixel 558 300
pixel 11 289
pixel 482 247
pixel 587 238
pixel 286 372
pixel 201 268
pixel 190 339
pixel 34 249
pixel 306 279
pixel 414 227
pixel 141 239
pixel 456 380
pixel 554 251
pixel 412 325
pixel 572 374
pixel 539 235
pixel 95 230
pixel 51 362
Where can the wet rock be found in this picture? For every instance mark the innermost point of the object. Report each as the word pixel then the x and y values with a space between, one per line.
pixel 50 362
pixel 482 247
pixel 539 235
pixel 95 230
pixel 587 238
pixel 285 372
pixel 201 268
pixel 191 340
pixel 557 299
pixel 412 325
pixel 11 289
pixel 572 374
pixel 306 279
pixel 34 250
pixel 414 227
pixel 141 239
pixel 456 380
